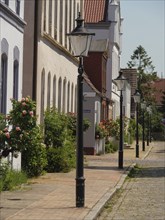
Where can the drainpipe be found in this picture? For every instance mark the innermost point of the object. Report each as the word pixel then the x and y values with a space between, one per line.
pixel 35 52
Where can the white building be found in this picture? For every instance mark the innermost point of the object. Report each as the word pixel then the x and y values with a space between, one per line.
pixel 50 71
pixel 104 19
pixel 11 51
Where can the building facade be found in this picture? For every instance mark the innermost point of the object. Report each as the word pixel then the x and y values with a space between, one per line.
pixel 11 50
pixel 11 63
pixel 53 70
pixel 104 18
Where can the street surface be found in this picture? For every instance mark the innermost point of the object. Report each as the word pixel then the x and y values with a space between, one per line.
pixel 141 197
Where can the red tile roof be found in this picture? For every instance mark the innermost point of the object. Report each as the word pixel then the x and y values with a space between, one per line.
pixel 94 10
pixel 159 86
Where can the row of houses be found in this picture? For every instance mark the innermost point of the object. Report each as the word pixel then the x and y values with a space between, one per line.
pixel 36 58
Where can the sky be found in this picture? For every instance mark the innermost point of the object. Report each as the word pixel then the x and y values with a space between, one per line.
pixel 144 24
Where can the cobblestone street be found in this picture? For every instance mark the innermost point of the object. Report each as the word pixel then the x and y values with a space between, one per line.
pixel 142 197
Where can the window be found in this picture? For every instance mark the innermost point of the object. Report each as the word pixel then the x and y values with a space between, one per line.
pixel 3 84
pixel 59 94
pixel 64 95
pixel 48 90
pixel 68 99
pixel 6 2
pixel 15 80
pixel 72 98
pixel 42 96
pixel 50 17
pixel 17 4
pixel 54 91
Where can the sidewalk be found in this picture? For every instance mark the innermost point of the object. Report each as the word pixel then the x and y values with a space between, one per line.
pixel 53 196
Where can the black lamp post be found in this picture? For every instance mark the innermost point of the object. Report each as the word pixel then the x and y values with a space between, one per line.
pixel 137 101
pixel 80 40
pixel 120 82
pixel 149 125
pixel 143 107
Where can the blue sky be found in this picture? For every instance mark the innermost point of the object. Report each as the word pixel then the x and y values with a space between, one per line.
pixel 143 24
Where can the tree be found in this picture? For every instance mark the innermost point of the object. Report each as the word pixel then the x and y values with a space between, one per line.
pixel 162 109
pixel 145 69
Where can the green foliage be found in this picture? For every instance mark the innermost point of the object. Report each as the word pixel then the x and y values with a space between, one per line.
pixel 55 125
pixel 10 179
pixel 34 158
pixel 146 74
pixel 162 108
pixel 111 146
pixel 24 135
pixel 60 141
pixel 72 123
pixel 21 121
pixel 61 159
pixel 100 131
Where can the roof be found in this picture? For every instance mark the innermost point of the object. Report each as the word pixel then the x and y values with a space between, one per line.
pixel 159 85
pixel 94 10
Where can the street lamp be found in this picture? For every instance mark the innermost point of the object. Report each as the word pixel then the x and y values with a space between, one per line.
pixel 80 40
pixel 149 111
pixel 120 81
pixel 143 107
pixel 137 101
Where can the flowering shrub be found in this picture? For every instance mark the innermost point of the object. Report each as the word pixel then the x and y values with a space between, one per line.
pixel 100 131
pixel 20 133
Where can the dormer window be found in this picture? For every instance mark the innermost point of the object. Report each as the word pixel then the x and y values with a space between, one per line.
pixel 17 7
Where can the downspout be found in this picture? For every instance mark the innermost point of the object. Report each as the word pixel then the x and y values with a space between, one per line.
pixel 35 52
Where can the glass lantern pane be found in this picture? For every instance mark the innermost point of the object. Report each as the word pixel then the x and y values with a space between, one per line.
pixel 120 84
pixel 137 98
pixel 80 44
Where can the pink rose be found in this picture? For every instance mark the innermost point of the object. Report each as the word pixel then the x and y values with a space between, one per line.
pixel 24 112
pixel 5 129
pixel 31 113
pixel 23 103
pixel 18 128
pixel 7 134
pixel 23 99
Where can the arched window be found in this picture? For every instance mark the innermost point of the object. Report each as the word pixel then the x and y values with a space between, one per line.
pixel 3 84
pixel 42 96
pixel 59 94
pixel 50 17
pixel 15 79
pixel 17 7
pixel 64 96
pixel 54 91
pixel 68 97
pixel 48 90
pixel 72 98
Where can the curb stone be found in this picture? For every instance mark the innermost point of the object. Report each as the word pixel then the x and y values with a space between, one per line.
pixel 98 207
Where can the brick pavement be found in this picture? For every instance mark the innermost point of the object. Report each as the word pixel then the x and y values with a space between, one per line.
pixel 53 196
pixel 142 197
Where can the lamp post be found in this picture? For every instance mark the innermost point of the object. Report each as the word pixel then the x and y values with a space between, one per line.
pixel 150 112
pixel 137 101
pixel 149 125
pixel 80 40
pixel 120 82
pixel 143 107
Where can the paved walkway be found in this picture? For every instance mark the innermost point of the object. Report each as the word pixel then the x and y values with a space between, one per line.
pixel 53 196
pixel 142 197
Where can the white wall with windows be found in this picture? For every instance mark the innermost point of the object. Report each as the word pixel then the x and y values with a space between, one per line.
pixel 56 68
pixel 11 51
pixel 11 56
